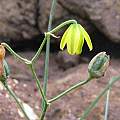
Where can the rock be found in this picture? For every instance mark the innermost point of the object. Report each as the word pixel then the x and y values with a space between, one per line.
pixel 66 61
pixel 18 19
pixel 24 19
pixel 61 14
pixel 104 14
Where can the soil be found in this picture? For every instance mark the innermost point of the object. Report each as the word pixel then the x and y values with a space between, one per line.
pixel 69 107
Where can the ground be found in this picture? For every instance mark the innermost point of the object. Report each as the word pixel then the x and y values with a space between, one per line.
pixel 69 107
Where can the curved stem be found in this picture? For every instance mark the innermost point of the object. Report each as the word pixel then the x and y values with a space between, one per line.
pixel 14 53
pixel 39 50
pixel 38 83
pixel 69 90
pixel 62 25
pixel 17 100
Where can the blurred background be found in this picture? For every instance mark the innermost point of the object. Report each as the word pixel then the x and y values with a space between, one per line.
pixel 22 26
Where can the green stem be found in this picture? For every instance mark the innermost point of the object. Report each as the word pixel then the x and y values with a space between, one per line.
pixel 38 83
pixel 17 100
pixel 62 25
pixel 69 90
pixel 46 67
pixel 93 104
pixel 52 12
pixel 14 53
pixel 39 50
pixel 44 112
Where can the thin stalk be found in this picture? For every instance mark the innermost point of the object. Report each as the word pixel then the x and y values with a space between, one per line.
pixel 69 90
pixel 44 112
pixel 14 53
pixel 62 25
pixel 107 104
pixel 52 12
pixel 11 93
pixel 93 104
pixel 38 83
pixel 39 50
pixel 46 66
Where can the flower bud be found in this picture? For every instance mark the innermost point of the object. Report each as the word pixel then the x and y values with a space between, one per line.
pixel 2 52
pixel 98 65
pixel 2 55
pixel 4 69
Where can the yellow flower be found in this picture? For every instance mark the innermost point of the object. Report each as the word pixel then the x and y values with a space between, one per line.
pixel 74 39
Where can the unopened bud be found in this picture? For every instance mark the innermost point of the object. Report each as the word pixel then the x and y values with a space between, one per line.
pixel 2 52
pixel 98 65
pixel 4 69
pixel 2 55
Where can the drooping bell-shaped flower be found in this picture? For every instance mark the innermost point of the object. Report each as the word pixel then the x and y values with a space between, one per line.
pixel 74 38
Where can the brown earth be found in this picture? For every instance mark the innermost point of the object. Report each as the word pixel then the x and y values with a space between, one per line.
pixel 69 107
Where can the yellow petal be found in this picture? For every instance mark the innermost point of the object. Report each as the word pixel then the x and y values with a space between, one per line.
pixel 80 44
pixel 73 42
pixel 70 42
pixel 87 38
pixel 65 38
pixel 80 41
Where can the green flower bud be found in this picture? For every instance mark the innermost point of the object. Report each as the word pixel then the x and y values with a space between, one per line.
pixel 74 39
pixel 98 65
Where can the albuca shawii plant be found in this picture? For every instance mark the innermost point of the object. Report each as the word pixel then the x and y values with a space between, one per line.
pixel 73 38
